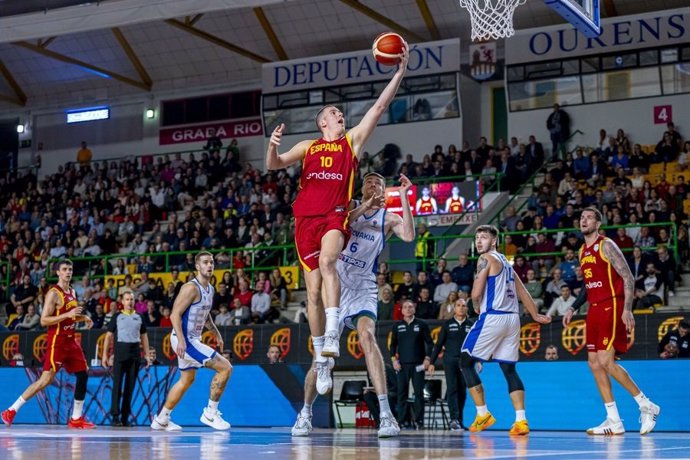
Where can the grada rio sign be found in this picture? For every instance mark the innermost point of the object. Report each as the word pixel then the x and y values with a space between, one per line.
pixel 200 133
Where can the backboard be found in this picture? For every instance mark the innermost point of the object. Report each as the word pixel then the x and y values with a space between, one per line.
pixel 583 14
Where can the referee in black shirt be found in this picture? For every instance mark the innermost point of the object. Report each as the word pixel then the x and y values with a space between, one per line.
pixel 129 330
pixel 411 346
pixel 452 336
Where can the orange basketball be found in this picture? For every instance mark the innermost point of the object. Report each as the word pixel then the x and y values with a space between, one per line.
pixel 387 47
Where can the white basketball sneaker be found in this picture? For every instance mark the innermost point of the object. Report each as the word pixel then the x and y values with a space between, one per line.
pixel 324 381
pixel 213 419
pixel 648 415
pixel 164 426
pixel 331 345
pixel 608 428
pixel 388 426
pixel 302 426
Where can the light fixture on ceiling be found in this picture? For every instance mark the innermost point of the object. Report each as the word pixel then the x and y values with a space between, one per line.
pixel 20 128
pixel 150 114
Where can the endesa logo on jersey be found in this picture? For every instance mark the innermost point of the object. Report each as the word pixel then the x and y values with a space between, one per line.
pixel 325 175
pixel 594 284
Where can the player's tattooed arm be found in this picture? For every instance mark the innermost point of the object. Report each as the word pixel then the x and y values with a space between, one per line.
pixel 613 253
pixel 480 277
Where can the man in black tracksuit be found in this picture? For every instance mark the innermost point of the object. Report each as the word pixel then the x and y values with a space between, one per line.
pixel 452 336
pixel 410 350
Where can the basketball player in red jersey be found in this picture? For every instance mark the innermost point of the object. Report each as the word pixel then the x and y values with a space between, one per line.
pixel 426 204
pixel 60 315
pixel 455 203
pixel 609 284
pixel 321 210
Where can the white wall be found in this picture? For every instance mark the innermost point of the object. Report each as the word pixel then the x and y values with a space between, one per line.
pixel 635 117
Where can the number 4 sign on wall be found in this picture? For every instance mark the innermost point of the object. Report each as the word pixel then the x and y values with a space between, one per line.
pixel 663 114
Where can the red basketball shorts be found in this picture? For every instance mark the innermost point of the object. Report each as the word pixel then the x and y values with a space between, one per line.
pixel 64 352
pixel 605 327
pixel 308 233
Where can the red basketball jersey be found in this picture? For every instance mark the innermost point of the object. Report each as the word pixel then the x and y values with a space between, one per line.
pixel 64 328
pixel 601 280
pixel 425 207
pixel 328 178
pixel 455 206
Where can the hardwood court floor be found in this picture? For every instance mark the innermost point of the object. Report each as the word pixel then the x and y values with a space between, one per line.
pixel 27 442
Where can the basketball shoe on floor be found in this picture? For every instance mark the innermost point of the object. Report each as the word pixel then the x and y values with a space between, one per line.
pixel 520 428
pixel 80 423
pixel 324 380
pixel 331 345
pixel 388 426
pixel 455 425
pixel 213 419
pixel 608 428
pixel 648 415
pixel 481 423
pixel 302 426
pixel 8 416
pixel 167 426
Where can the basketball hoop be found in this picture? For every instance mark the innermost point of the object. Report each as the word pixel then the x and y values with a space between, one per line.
pixel 491 18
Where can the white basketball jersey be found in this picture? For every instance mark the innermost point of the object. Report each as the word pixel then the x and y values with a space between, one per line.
pixel 500 294
pixel 358 262
pixel 194 318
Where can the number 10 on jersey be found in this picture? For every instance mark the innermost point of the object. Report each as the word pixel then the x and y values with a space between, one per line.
pixel 326 162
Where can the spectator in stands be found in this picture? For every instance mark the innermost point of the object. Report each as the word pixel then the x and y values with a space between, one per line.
pixel 406 288
pixel 165 320
pixel 426 308
pixel 261 309
pixel 568 265
pixel 224 318
pixel 23 296
pixel 84 155
pixel 463 273
pixel 446 307
pixel 666 149
pixel 509 222
pixel 536 150
pixel 582 166
pixel 551 353
pixel 510 249
pixel 623 240
pixel 279 289
pixel 676 342
pixel 544 245
pixel 30 320
pixel 436 275
pixel 553 287
pixel 385 304
pixel 447 286
pixel 424 248
pixel 650 290
pixel 213 142
pixel 645 240
pixel 637 261
pixel 561 304
pixel 667 268
pixel 98 317
pixel 535 288
pixel 520 267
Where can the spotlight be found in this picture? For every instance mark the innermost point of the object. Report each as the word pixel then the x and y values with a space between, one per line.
pixel 150 113
pixel 20 129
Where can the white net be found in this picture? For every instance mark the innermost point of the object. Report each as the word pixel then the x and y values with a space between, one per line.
pixel 491 19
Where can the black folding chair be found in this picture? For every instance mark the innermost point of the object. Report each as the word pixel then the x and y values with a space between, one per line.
pixel 433 398
pixel 350 395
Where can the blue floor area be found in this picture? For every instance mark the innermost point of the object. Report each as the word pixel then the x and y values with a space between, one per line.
pixel 45 442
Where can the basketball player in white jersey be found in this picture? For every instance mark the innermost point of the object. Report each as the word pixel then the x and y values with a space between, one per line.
pixel 496 334
pixel 371 225
pixel 189 316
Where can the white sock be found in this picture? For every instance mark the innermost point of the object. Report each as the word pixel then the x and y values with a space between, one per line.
pixel 306 410
pixel 641 399
pixel 77 409
pixel 482 410
pixel 18 404
pixel 332 317
pixel 520 415
pixel 213 405
pixel 317 343
pixel 165 414
pixel 612 411
pixel 383 404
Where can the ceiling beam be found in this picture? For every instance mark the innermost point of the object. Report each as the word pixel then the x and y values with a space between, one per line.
pixel 195 19
pixel 11 100
pixel 133 58
pixel 428 19
pixel 378 17
pixel 270 33
pixel 610 7
pixel 86 65
pixel 46 42
pixel 216 40
pixel 20 95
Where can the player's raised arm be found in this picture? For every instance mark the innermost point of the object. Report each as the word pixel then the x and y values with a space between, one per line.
pixel 360 133
pixel 404 227
pixel 274 160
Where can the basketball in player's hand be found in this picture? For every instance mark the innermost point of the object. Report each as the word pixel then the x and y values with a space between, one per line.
pixel 387 48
